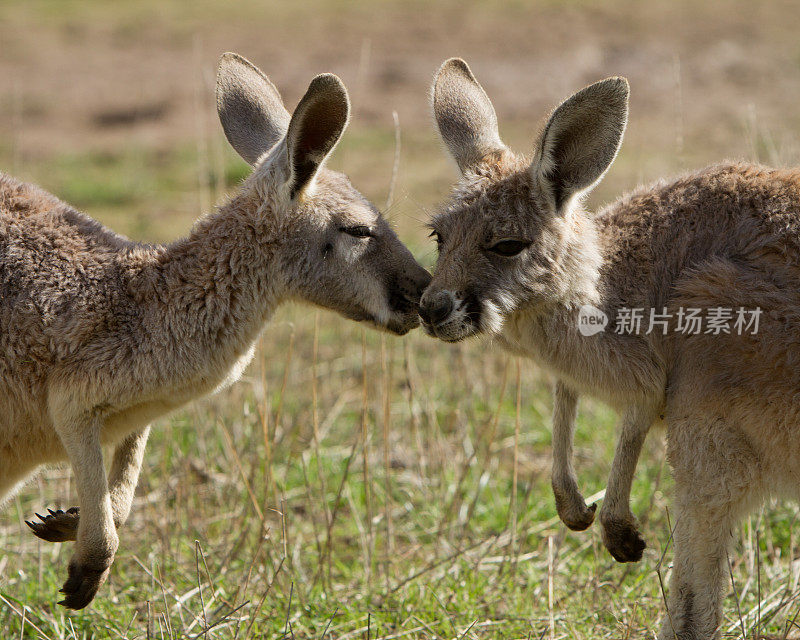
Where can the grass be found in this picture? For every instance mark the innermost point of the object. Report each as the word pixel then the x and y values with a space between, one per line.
pixel 354 485
pixel 369 491
pixel 358 485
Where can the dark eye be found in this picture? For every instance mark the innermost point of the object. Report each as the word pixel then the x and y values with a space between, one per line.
pixel 437 238
pixel 509 248
pixel 359 231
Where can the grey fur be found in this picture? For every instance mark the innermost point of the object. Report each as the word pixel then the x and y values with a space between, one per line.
pixel 581 139
pixel 464 114
pixel 250 108
pixel 725 237
pixel 99 335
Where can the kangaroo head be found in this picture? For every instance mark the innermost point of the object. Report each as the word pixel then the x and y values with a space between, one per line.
pixel 332 246
pixel 514 236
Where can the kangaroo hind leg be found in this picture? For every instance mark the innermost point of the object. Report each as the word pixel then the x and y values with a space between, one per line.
pixel 716 476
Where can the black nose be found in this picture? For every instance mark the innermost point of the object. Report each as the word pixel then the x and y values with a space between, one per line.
pixel 406 292
pixel 436 308
pixel 421 281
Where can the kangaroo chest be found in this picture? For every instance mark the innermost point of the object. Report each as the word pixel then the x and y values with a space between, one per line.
pixel 600 365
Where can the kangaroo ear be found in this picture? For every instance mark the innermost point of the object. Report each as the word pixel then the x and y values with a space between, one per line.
pixel 250 108
pixel 581 139
pixel 317 124
pixel 464 114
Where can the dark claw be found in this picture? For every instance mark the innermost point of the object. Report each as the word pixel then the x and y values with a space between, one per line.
pixel 58 526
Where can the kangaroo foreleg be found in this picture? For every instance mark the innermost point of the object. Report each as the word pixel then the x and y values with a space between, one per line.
pixel 96 541
pixel 571 506
pixel 62 525
pixel 619 526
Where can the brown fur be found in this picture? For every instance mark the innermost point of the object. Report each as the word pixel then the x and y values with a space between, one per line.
pixel 726 236
pixel 100 335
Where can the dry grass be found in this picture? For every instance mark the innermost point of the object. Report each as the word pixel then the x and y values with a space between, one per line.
pixel 354 485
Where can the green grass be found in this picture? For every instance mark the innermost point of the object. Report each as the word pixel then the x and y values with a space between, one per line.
pixel 378 488
pixel 147 193
pixel 415 531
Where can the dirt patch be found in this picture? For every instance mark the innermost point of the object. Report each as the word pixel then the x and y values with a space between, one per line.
pixel 690 64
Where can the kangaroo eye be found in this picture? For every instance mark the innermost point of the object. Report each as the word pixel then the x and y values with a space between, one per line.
pixel 359 231
pixel 437 238
pixel 509 248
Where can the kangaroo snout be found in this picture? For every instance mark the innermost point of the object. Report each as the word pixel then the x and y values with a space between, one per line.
pixel 419 281
pixel 435 307
pixel 406 292
pixel 450 315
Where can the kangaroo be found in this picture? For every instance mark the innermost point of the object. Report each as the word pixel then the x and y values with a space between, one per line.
pixel 521 260
pixel 99 335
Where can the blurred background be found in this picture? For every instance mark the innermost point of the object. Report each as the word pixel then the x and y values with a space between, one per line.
pixel 352 484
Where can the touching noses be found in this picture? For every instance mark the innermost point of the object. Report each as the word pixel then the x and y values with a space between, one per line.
pixel 407 291
pixel 421 282
pixel 435 307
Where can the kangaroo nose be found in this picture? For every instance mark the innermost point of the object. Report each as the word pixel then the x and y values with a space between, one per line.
pixel 421 282
pixel 436 307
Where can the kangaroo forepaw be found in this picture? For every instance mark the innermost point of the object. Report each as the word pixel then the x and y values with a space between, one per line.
pixel 59 526
pixel 82 584
pixel 574 512
pixel 623 540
